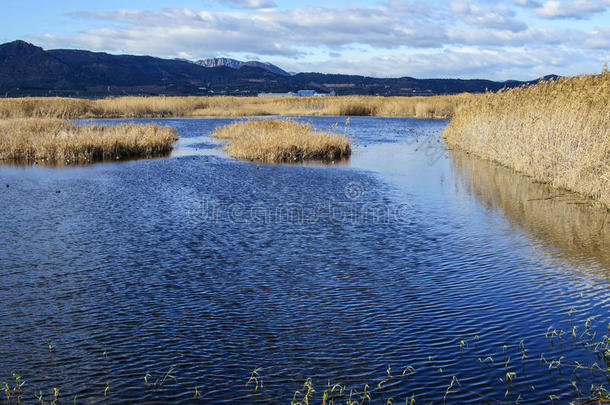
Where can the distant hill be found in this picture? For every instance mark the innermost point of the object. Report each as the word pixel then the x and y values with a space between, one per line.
pixel 236 64
pixel 28 70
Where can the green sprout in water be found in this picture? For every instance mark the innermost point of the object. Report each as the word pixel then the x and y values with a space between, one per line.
pixel 450 389
pixel 408 371
pixel 307 393
pixel 169 374
pixel 55 396
pixel 255 378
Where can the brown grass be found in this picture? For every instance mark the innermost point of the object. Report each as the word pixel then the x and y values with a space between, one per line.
pixel 57 140
pixel 557 132
pixel 146 107
pixel 277 141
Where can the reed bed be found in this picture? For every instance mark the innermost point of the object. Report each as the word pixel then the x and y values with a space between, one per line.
pixel 277 141
pixel 58 140
pixel 557 132
pixel 147 107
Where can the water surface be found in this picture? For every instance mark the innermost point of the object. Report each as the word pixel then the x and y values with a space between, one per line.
pixel 406 255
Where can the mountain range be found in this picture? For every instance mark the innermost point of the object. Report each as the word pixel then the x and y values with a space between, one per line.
pixel 28 70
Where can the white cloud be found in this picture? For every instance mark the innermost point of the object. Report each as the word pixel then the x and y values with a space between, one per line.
pixel 464 62
pixel 498 16
pixel 406 32
pixel 527 3
pixel 575 9
pixel 532 37
pixel 265 32
pixel 599 39
pixel 249 4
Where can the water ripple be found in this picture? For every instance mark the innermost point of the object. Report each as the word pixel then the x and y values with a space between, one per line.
pixel 194 263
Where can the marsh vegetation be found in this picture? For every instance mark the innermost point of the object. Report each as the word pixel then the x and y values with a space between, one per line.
pixel 147 107
pixel 59 140
pixel 38 128
pixel 566 221
pixel 556 131
pixel 277 141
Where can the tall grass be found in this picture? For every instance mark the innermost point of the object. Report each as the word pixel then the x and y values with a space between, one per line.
pixel 557 132
pixel 145 107
pixel 277 141
pixel 58 140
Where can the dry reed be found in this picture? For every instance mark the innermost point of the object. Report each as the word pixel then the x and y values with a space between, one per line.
pixel 277 141
pixel 556 132
pixel 146 107
pixel 57 140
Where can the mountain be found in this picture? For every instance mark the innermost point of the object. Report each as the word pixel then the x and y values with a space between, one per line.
pixel 216 62
pixel 28 70
pixel 236 64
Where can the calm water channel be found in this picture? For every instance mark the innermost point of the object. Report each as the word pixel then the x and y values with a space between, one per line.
pixel 150 279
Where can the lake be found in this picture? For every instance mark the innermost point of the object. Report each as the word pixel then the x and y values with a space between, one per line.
pixel 163 280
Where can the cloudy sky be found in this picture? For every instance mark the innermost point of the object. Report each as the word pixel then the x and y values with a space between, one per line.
pixel 504 39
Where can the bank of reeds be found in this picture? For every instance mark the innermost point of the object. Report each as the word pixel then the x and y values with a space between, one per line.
pixel 147 107
pixel 277 141
pixel 557 132
pixel 58 140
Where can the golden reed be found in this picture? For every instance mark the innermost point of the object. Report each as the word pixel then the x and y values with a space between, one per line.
pixel 277 141
pixel 146 107
pixel 58 140
pixel 557 132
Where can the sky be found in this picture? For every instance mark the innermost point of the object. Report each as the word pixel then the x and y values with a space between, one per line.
pixel 487 39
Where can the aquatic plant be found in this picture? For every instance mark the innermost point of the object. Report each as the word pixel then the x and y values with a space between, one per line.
pixel 58 140
pixel 277 141
pixel 147 107
pixel 256 379
pixel 555 131
pixel 396 388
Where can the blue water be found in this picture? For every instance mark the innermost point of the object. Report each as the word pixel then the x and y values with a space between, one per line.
pixel 212 267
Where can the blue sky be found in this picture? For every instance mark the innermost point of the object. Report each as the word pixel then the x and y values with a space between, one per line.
pixel 504 39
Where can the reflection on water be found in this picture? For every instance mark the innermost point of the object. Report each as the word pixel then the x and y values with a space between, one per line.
pixel 566 221
pixel 67 164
